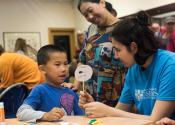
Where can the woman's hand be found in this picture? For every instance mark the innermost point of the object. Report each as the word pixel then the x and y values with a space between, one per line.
pixel 96 109
pixel 84 98
pixel 71 85
pixel 165 121
pixel 54 115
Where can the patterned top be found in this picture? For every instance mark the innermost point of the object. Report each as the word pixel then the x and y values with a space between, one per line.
pixel 108 73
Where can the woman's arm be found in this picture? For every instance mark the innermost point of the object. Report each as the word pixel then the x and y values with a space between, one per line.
pixel 160 110
pixel 124 107
pixel 98 109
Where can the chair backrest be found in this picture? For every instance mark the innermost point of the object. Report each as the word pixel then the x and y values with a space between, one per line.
pixel 13 97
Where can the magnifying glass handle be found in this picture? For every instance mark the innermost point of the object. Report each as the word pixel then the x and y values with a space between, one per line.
pixel 83 86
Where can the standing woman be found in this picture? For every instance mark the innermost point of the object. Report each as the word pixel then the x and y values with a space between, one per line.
pixel 106 82
pixel 150 81
pixel 23 48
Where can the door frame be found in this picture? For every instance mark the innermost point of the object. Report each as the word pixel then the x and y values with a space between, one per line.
pixel 64 31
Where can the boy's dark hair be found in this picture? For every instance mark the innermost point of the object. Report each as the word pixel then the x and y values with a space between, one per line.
pixel 136 29
pixel 1 49
pixel 43 53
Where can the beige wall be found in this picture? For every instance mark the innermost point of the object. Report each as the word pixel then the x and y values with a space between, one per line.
pixel 38 15
pixel 35 16
pixel 126 7
pixel 80 22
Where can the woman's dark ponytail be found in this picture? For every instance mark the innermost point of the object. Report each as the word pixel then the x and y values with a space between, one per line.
pixel 143 18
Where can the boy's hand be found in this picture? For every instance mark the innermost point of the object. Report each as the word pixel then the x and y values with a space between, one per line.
pixel 84 98
pixel 54 115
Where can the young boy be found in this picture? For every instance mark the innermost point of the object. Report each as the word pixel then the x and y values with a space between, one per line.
pixel 50 101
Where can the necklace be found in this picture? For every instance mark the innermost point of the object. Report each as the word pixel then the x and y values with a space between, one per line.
pixel 106 29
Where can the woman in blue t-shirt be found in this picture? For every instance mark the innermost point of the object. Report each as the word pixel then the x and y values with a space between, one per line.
pixel 149 83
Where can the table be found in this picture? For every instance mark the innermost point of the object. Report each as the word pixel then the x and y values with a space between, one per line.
pixel 82 120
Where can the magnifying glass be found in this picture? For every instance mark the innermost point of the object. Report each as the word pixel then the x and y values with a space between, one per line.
pixel 83 73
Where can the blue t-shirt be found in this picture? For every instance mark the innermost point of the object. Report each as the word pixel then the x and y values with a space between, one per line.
pixel 156 82
pixel 44 97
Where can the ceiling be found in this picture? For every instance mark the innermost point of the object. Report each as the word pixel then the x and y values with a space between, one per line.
pixel 65 0
pixel 165 15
